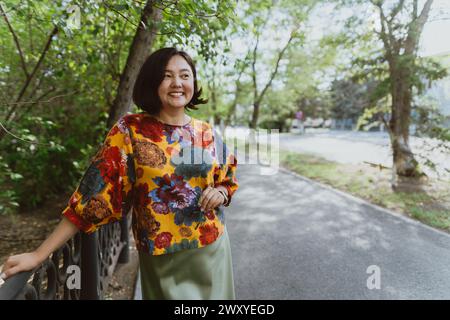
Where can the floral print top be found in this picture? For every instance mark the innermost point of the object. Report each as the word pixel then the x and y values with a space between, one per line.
pixel 159 171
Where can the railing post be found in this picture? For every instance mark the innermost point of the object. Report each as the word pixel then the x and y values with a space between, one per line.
pixel 90 267
pixel 124 256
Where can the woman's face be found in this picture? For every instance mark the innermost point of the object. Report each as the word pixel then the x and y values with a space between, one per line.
pixel 177 87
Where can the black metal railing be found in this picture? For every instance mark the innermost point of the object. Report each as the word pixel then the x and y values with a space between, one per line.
pixel 93 257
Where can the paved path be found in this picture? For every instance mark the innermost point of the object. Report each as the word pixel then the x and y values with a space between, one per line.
pixel 295 239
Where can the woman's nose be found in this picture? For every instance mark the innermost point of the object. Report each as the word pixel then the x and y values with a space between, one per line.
pixel 176 82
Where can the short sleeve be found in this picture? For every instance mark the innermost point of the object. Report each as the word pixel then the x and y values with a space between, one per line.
pixel 104 193
pixel 225 173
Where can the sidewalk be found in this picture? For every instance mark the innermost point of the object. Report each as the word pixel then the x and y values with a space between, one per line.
pixel 293 238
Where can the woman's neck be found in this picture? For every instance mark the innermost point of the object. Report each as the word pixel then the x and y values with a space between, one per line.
pixel 176 118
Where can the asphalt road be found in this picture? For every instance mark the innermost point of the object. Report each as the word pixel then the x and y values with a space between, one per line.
pixel 295 239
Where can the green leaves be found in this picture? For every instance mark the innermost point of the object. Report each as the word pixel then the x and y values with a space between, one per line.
pixel 196 24
pixel 8 196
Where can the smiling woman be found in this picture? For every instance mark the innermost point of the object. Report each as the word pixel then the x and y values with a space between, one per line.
pixel 177 87
pixel 178 220
pixel 169 71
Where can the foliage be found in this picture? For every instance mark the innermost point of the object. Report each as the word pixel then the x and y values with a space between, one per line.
pixel 59 120
pixel 350 98
pixel 197 25
pixel 8 195
pixel 431 122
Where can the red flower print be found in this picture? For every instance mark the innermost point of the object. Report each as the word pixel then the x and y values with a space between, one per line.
pixel 173 191
pixel 127 202
pixel 163 240
pixel 147 126
pixel 133 119
pixel 111 165
pixel 114 131
pixel 208 234
pixel 139 172
pixel 81 223
pixel 141 198
pixel 115 194
pixel 207 138
pixel 202 139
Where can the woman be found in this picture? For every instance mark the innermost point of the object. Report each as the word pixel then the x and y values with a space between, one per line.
pixel 173 170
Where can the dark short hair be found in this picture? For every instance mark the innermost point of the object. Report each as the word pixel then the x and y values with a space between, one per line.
pixel 151 74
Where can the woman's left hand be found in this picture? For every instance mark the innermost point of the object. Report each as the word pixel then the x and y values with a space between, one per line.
pixel 210 199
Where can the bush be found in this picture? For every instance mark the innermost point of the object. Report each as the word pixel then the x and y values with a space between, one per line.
pixel 8 196
pixel 48 162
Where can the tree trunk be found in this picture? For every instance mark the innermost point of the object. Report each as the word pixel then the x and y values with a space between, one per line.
pixel 231 111
pixel 139 51
pixel 255 116
pixel 401 68
pixel 404 162
pixel 215 116
pixel 212 88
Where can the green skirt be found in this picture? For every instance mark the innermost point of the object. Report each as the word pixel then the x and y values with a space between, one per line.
pixel 195 274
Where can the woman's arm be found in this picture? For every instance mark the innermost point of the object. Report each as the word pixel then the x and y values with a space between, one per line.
pixel 30 260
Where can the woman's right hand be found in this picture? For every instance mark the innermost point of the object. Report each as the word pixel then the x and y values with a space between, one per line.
pixel 18 263
pixel 30 260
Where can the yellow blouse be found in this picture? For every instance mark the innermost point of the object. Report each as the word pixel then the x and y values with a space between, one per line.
pixel 160 170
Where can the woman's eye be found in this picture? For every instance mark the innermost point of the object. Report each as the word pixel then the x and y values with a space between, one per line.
pixel 167 75
pixel 185 76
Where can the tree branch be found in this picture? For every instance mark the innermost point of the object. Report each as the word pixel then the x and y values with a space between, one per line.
pixel 386 38
pixel 255 84
pixel 38 101
pixel 416 28
pixel 120 13
pixel 415 10
pixel 16 41
pixel 232 107
pixel 396 10
pixel 280 56
pixel 43 95
pixel 255 93
pixel 10 115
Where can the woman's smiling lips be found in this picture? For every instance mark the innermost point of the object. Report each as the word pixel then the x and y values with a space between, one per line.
pixel 176 94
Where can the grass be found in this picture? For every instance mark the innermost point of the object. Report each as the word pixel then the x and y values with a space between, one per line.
pixel 427 201
pixel 438 218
